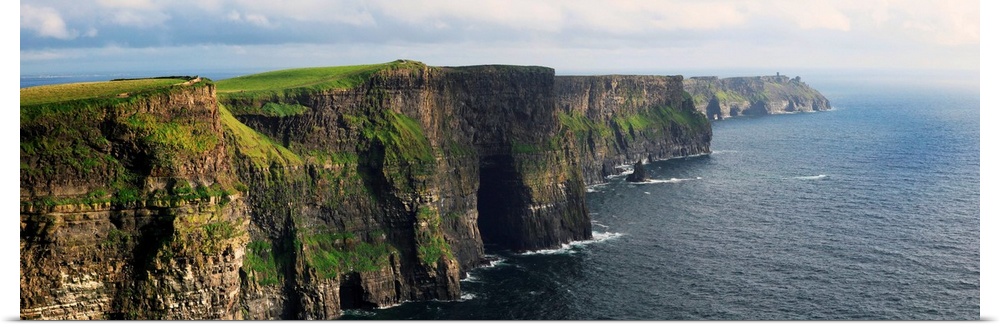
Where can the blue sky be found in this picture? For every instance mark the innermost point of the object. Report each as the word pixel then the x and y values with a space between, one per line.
pixel 184 36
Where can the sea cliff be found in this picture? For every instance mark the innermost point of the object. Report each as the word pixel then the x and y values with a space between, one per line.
pixel 266 197
pixel 720 98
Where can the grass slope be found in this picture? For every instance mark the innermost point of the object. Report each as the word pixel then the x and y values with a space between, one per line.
pixel 77 91
pixel 308 79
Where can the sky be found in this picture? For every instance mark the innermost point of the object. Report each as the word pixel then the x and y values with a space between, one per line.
pixel 574 37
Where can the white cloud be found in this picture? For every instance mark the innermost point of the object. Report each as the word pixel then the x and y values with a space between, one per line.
pixel 129 4
pixel 137 13
pixel 618 17
pixel 254 19
pixel 812 14
pixel 324 11
pixel 46 22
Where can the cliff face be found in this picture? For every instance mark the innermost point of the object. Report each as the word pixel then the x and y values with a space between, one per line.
pixel 301 203
pixel 618 120
pixel 128 209
pixel 422 164
pixel 750 96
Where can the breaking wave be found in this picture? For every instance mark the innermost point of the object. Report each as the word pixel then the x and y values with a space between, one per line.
pixel 575 246
pixel 672 180
pixel 815 177
pixel 596 187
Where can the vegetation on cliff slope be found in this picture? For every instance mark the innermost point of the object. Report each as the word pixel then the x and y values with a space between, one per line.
pixel 657 121
pixel 278 93
pixel 94 135
pixel 258 148
pixel 388 156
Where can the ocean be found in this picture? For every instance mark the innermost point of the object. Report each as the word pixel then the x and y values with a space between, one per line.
pixel 866 212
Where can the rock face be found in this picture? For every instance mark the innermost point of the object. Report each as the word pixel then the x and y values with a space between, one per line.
pixel 187 204
pixel 129 210
pixel 429 163
pixel 638 174
pixel 616 120
pixel 750 96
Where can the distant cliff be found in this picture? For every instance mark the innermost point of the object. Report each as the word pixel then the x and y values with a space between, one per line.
pixel 750 96
pixel 362 187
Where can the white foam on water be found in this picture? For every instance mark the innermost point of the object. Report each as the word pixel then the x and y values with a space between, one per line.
pixel 594 222
pixel 574 247
pixel 390 306
pixel 646 192
pixel 357 312
pixel 596 187
pixel 689 156
pixel 494 263
pixel 623 173
pixel 469 278
pixel 661 181
pixel 815 177
pixel 723 151
pixel 464 297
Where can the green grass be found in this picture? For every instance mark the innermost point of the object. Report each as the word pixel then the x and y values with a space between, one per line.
pixel 77 91
pixel 313 79
pixel 260 259
pixel 580 125
pixel 261 150
pixel 331 254
pixel 431 245
pixel 277 93
pixel 283 109
pixel 725 96
pixel 654 120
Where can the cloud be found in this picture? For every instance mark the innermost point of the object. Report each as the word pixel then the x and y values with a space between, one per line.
pixel 46 22
pixel 695 32
pixel 253 19
pixel 354 13
pixel 129 4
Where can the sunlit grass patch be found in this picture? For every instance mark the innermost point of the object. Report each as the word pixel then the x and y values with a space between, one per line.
pixel 76 91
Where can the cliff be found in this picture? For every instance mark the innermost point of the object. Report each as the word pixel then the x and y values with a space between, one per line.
pixel 423 164
pixel 298 194
pixel 617 120
pixel 751 96
pixel 129 209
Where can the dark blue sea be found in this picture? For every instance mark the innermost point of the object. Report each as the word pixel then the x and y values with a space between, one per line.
pixel 866 212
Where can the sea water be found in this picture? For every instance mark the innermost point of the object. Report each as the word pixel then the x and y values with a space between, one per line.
pixel 866 212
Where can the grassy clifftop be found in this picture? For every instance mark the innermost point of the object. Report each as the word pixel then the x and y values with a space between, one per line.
pixel 79 91
pixel 278 93
pixel 305 79
pixel 105 137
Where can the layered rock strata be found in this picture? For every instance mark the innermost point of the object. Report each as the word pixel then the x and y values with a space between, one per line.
pixel 129 209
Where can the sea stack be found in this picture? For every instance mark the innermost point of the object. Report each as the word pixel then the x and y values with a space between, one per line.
pixel 638 174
